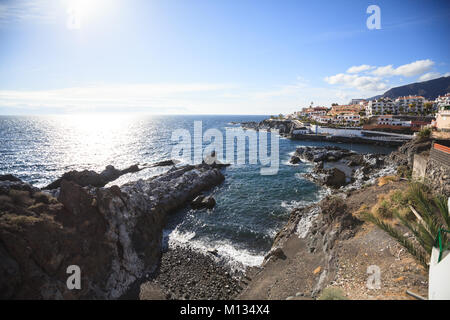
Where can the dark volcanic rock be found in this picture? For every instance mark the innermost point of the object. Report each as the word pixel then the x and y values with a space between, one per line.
pixel 113 234
pixel 332 165
pixel 91 178
pixel 404 155
pixel 318 154
pixel 355 160
pixel 201 202
pixel 275 253
pixel 9 177
pixel 188 274
pixel 294 160
pixel 335 178
pixel 162 164
pixel 285 127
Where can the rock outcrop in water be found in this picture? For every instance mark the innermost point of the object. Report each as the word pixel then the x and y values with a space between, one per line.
pixel 91 178
pixel 285 127
pixel 317 154
pixel 113 234
pixel 336 167
pixel 201 201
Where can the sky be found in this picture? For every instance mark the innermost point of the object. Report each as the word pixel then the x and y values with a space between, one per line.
pixel 212 57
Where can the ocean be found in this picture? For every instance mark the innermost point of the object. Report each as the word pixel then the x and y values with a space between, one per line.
pixel 250 207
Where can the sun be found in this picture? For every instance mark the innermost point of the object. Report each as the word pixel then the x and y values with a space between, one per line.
pixel 81 10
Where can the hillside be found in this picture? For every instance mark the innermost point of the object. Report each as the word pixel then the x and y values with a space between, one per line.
pixel 429 89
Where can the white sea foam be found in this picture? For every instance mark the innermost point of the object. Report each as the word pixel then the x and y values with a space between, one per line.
pixel 236 259
pixel 295 204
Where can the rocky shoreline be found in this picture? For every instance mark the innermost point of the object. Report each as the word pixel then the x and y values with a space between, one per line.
pixel 319 241
pixel 293 129
pixel 113 234
pixel 340 168
pixel 186 274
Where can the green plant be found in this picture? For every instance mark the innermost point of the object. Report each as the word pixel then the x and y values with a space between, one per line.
pixel 404 172
pixel 20 197
pixel 384 210
pixel 430 214
pixel 424 133
pixel 417 253
pixel 332 293
pixel 398 198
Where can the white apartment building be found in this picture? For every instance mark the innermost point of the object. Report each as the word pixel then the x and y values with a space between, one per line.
pixel 392 121
pixel 443 101
pixel 380 106
pixel 401 105
pixel 351 118
pixel 302 130
pixel 323 119
pixel 316 111
pixel 410 104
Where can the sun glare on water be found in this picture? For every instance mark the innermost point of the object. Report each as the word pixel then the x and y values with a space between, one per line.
pixel 92 139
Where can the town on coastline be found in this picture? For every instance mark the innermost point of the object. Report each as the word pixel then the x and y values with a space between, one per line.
pixel 403 114
pixel 380 121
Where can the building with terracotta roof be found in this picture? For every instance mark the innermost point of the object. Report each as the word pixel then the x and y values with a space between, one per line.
pixel 345 109
pixel 380 106
pixel 410 104
pixel 315 111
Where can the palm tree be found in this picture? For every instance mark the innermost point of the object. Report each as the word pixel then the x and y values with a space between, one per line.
pixel 428 107
pixel 430 217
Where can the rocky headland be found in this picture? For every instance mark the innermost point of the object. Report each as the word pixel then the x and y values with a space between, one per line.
pixel 113 234
pixel 285 127
pixel 330 246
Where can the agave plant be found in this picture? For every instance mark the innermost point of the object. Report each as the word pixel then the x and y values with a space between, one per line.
pixel 431 216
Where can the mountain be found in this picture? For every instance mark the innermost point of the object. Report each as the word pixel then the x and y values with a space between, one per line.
pixel 430 89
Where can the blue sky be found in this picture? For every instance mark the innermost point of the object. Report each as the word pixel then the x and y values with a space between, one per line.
pixel 202 56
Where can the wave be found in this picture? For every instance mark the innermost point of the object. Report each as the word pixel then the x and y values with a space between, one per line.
pixel 236 258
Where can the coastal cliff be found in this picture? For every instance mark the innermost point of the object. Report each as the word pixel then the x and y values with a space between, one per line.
pixel 113 234
pixel 329 247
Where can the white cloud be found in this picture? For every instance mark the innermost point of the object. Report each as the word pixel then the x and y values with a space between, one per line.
pixel 362 83
pixel 110 97
pixel 358 69
pixel 433 75
pixel 27 10
pixel 369 79
pixel 172 99
pixel 429 76
pixel 407 70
